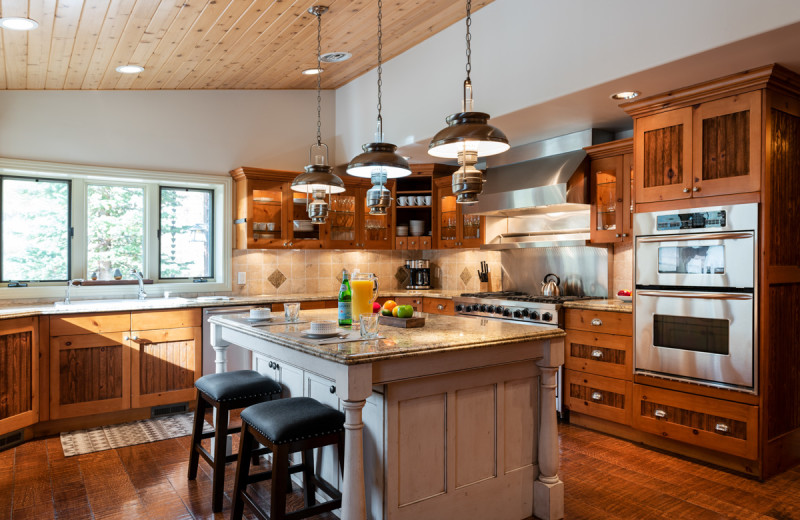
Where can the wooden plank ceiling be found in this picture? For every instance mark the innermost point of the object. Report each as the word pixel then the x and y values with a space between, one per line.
pixel 207 44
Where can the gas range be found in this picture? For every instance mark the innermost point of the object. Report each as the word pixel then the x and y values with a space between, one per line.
pixel 514 306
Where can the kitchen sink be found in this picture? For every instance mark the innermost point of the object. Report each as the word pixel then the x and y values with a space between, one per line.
pixel 121 303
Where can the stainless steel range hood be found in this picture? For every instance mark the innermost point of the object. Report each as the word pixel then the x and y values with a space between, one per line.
pixel 541 177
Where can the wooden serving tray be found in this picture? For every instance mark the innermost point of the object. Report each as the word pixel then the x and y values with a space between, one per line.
pixel 403 323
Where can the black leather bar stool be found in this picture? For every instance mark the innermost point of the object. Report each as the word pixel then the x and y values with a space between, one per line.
pixel 224 392
pixel 297 424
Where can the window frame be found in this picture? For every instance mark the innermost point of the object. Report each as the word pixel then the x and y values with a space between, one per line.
pixel 79 177
pixel 211 236
pixel 70 229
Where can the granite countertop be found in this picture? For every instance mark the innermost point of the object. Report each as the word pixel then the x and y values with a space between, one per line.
pixel 15 310
pixel 600 305
pixel 440 334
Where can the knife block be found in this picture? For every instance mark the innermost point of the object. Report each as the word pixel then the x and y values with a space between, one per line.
pixel 487 285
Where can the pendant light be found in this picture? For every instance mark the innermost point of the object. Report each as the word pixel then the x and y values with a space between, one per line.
pixel 318 178
pixel 468 135
pixel 380 160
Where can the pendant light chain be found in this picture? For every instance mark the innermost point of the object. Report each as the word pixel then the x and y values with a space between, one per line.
pixel 469 38
pixel 319 80
pixel 380 66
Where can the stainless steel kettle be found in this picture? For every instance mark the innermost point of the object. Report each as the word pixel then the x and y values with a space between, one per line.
pixel 551 288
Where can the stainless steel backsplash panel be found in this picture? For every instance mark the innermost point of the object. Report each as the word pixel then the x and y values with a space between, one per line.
pixel 583 270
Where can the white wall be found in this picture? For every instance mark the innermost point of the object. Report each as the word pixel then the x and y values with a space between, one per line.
pixel 527 52
pixel 186 131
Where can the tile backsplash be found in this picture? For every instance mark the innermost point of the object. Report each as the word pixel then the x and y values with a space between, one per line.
pixel 300 271
pixel 623 267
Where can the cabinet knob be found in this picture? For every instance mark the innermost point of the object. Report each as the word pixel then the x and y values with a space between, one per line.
pixel 617 235
pixel 597 353
pixel 686 190
pixel 720 427
pixel 68 343
pixel 624 235
pixel 661 414
pixel 271 364
pixel 696 188
pixel 597 322
pixel 125 338
pixel 277 366
pixel 597 396
pixel 440 307
pixel 332 389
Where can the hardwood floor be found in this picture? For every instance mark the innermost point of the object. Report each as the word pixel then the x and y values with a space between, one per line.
pixel 605 478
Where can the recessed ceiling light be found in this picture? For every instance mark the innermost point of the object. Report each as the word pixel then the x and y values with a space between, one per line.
pixel 18 24
pixel 335 57
pixel 628 94
pixel 129 69
pixel 311 72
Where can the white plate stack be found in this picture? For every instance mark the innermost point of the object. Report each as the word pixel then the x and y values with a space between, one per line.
pixel 402 231
pixel 417 227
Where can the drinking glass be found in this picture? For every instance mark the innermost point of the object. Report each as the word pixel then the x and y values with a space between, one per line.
pixel 291 311
pixel 369 325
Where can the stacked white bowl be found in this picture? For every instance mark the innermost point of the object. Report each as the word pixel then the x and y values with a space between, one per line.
pixel 402 231
pixel 417 227
pixel 322 327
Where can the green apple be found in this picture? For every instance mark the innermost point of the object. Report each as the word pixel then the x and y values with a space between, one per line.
pixel 405 311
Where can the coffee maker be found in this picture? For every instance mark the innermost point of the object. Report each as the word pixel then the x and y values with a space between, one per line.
pixel 419 274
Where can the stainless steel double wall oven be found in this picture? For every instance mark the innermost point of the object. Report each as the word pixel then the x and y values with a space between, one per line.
pixel 695 311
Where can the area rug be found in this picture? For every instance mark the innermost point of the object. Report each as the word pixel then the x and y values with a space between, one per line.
pixel 102 438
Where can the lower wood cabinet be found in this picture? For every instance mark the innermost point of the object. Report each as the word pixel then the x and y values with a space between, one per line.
pixel 597 353
pixel 415 302
pixel 19 373
pixel 598 396
pixel 438 306
pixel 698 420
pixel 116 361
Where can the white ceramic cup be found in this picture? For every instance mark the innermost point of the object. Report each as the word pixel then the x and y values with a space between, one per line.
pixel 402 201
pixel 420 200
pixel 270 226
pixel 428 200
pixel 323 327
pixel 259 226
pixel 260 313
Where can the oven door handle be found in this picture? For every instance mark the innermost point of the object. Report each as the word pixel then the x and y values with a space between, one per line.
pixel 704 236
pixel 697 295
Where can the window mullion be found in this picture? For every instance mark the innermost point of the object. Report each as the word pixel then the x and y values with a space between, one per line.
pixel 151 223
pixel 79 224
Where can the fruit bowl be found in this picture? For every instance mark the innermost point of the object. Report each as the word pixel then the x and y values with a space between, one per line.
pixel 625 296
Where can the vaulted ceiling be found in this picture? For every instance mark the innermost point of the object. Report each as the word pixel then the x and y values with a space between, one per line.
pixel 207 44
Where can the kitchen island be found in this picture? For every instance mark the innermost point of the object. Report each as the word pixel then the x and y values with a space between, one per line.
pixel 453 420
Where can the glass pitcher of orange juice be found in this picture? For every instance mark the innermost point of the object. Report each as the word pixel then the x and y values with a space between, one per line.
pixel 364 287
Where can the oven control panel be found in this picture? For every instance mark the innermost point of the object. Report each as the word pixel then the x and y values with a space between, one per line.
pixel 704 220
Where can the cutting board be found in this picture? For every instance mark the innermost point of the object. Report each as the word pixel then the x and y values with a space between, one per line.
pixel 403 323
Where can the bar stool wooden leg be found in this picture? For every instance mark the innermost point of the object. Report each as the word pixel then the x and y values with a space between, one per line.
pixel 246 446
pixel 280 466
pixel 220 445
pixel 309 484
pixel 197 432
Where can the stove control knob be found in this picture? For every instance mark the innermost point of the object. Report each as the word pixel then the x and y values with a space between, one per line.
pixel 483 307
pixel 517 313
pixel 507 312
pixel 490 308
pixel 469 308
pixel 459 308
pixel 535 315
pixel 499 309
pixel 547 316
pixel 524 313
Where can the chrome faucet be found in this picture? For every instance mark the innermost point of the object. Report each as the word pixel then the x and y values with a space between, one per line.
pixel 69 285
pixel 138 275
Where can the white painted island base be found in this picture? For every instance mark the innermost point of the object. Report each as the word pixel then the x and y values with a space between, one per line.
pixel 448 434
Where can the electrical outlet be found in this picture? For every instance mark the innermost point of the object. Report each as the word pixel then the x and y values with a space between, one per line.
pixel 242 278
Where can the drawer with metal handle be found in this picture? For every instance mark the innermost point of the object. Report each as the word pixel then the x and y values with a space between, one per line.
pixel 602 354
pixel 697 420
pixel 606 322
pixel 603 397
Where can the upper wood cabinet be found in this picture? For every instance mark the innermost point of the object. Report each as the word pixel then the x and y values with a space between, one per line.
pixel 611 171
pixel 19 374
pixel 702 141
pixel 453 228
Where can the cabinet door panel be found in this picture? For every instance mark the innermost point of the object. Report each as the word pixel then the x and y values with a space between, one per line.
pixel 607 200
pixel 19 374
pixel 601 354
pixel 89 374
pixel 165 364
pixel 663 156
pixel 326 460
pixel 727 146
pixel 598 396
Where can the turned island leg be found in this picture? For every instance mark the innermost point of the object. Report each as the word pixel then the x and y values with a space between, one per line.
pixel 354 500
pixel 548 490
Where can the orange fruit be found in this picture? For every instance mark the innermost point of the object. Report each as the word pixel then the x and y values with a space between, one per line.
pixel 389 305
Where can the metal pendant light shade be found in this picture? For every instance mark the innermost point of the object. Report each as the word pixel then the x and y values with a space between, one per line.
pixel 318 177
pixel 469 131
pixel 380 156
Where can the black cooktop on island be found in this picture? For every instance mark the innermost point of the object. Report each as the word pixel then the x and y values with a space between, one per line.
pixel 514 306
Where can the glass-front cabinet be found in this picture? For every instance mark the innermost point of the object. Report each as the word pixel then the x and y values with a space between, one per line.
pixel 376 229
pixel 611 187
pixel 454 228
pixel 342 221
pixel 303 234
pixel 262 225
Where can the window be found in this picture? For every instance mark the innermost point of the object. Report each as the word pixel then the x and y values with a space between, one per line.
pixel 185 239
pixel 115 231
pixel 35 241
